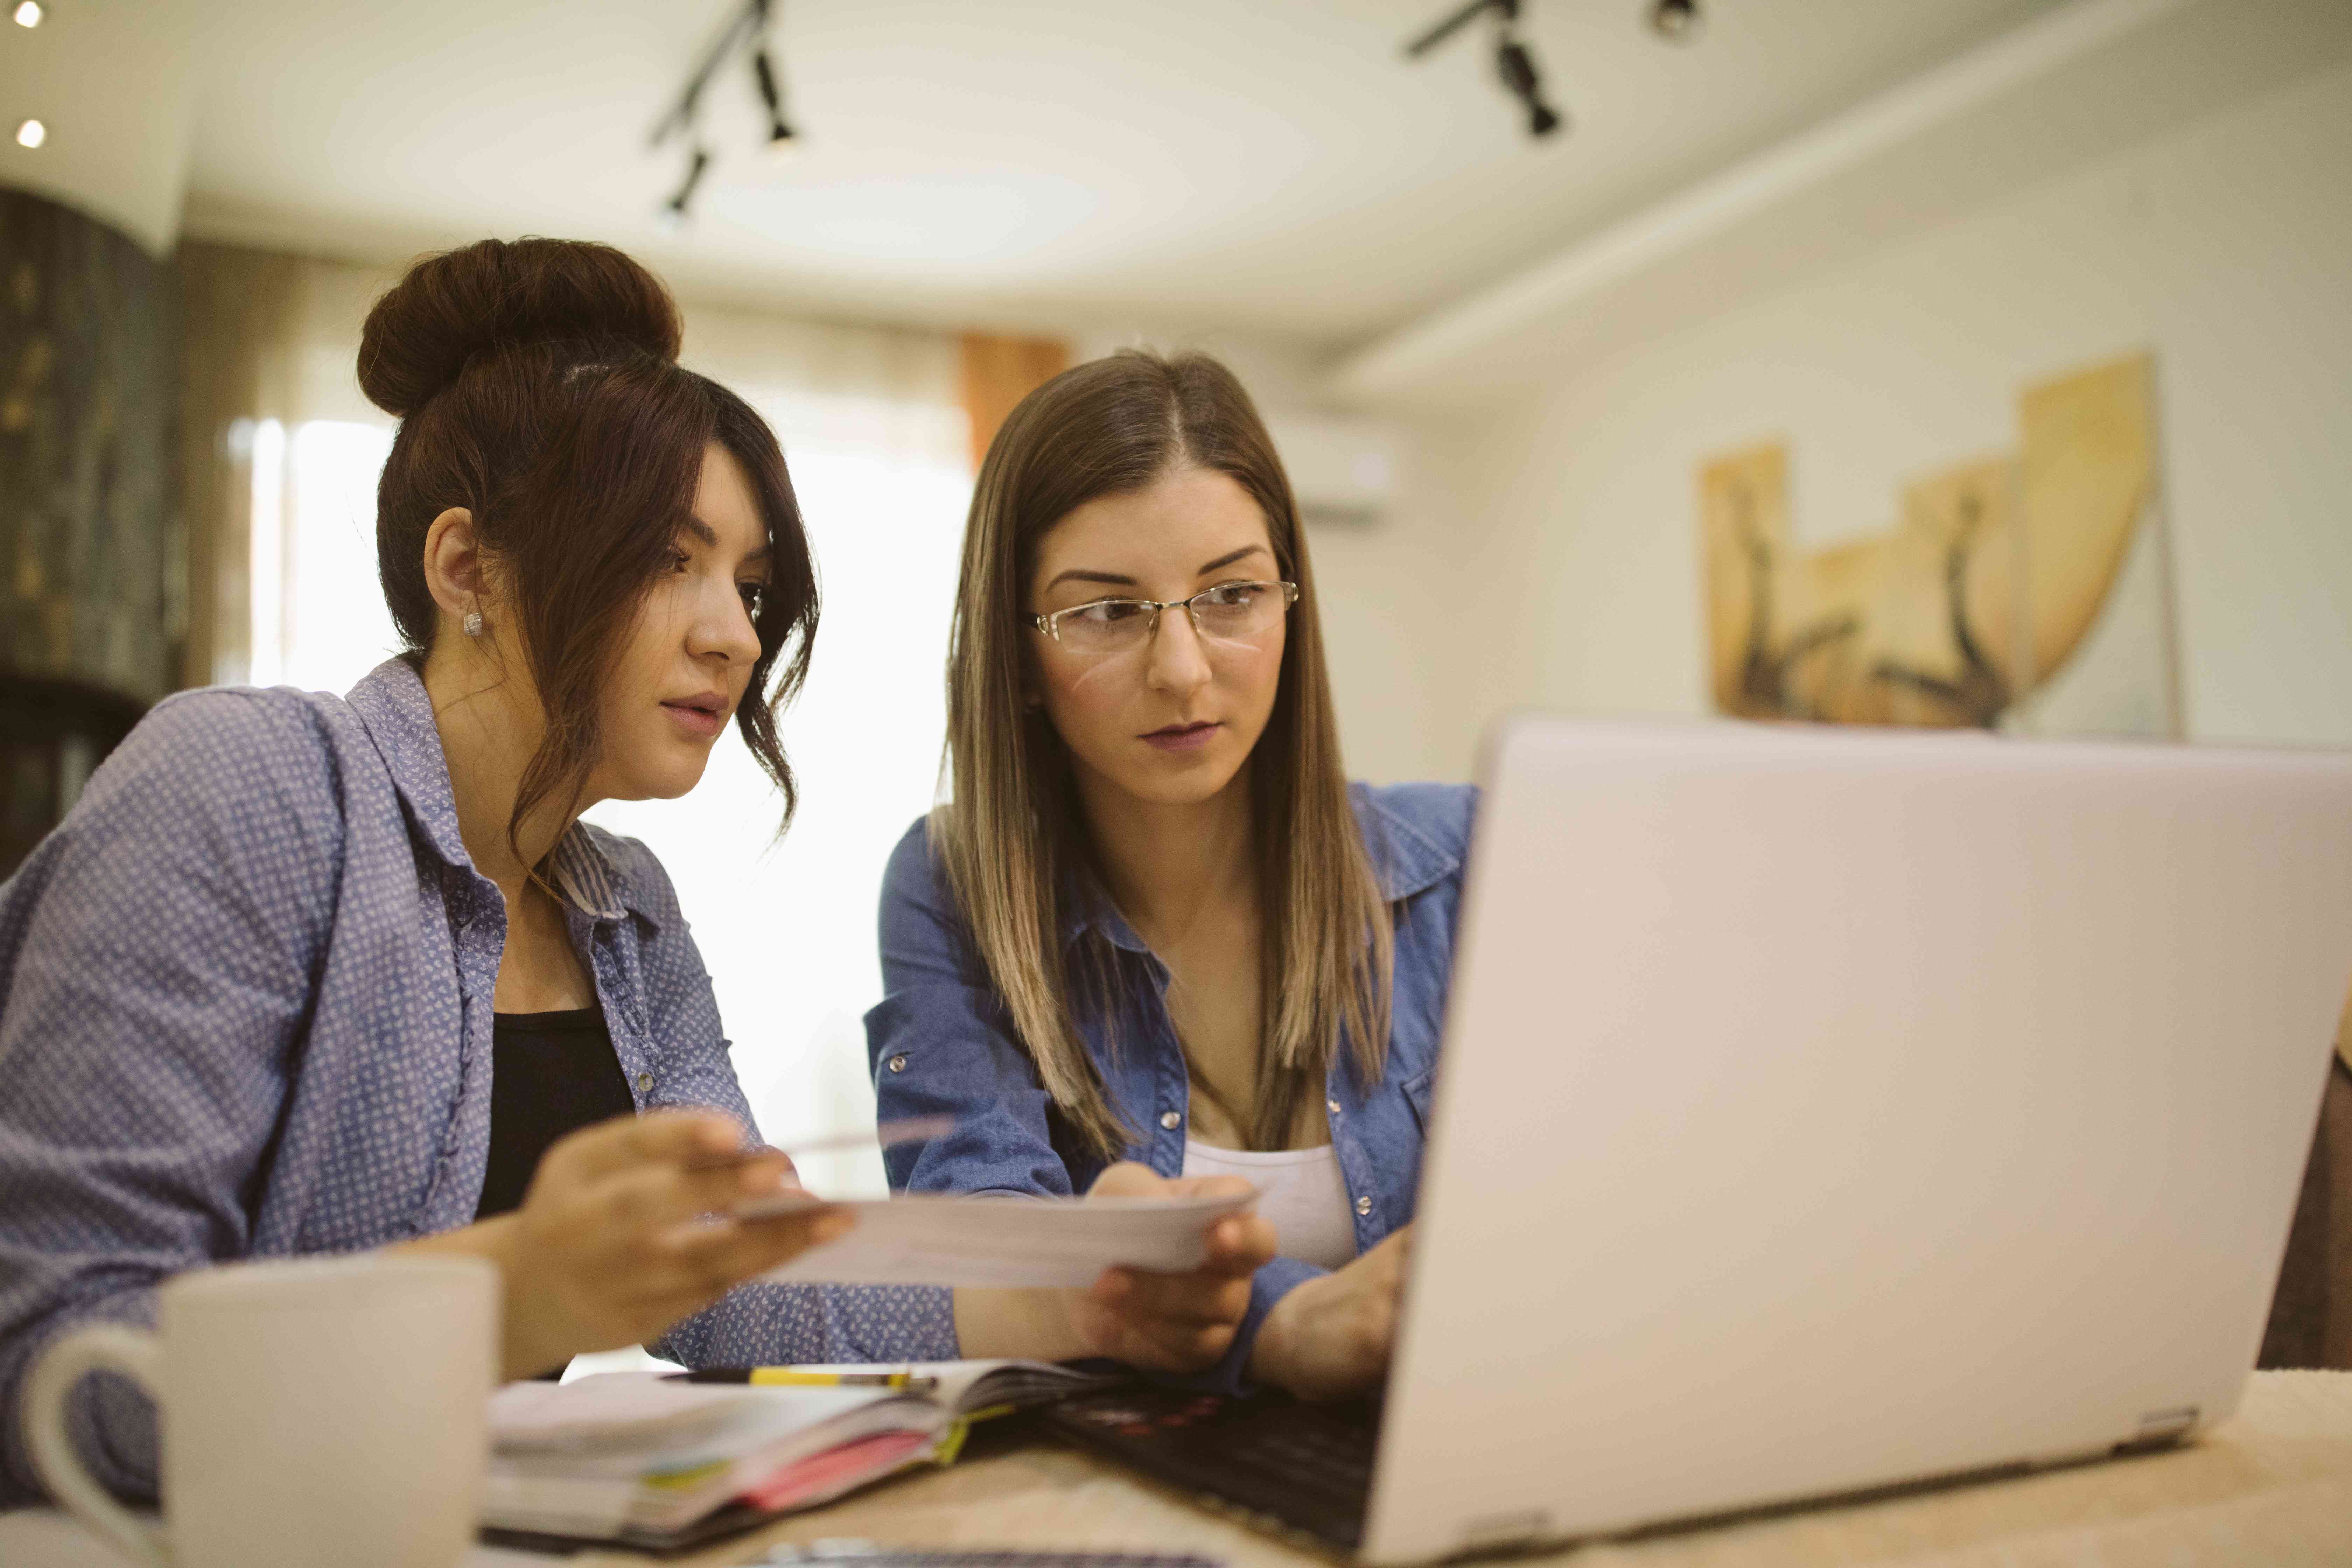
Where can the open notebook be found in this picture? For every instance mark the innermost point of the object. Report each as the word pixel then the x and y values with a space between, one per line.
pixel 632 1459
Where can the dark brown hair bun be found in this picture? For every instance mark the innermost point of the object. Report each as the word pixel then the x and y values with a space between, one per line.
pixel 494 293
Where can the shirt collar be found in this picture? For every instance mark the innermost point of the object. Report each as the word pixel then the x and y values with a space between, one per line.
pixel 394 707
pixel 1405 860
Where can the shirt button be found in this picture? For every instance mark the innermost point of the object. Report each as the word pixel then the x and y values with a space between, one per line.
pixel 1171 1121
pixel 1364 1205
pixel 645 1083
pixel 897 1063
pixel 1332 1106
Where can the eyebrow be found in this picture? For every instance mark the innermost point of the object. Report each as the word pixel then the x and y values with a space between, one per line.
pixel 710 536
pixel 1117 580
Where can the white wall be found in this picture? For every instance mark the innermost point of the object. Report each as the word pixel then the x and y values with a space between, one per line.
pixel 1558 532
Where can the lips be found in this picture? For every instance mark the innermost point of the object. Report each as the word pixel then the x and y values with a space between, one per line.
pixel 1183 737
pixel 702 715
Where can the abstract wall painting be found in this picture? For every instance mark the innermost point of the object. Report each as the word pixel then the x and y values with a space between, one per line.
pixel 2027 591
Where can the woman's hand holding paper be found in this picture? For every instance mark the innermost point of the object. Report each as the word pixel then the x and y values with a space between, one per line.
pixel 618 1236
pixel 1161 1322
pixel 1173 1323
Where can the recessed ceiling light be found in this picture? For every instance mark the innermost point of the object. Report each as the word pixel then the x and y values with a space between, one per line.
pixel 29 14
pixel 1679 20
pixel 32 133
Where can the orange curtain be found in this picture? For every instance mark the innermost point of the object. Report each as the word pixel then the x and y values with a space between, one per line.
pixel 2343 1034
pixel 998 373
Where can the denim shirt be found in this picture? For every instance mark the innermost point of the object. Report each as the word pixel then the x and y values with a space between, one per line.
pixel 246 1011
pixel 943 1043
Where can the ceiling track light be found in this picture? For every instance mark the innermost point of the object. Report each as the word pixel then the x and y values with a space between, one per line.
pixel 746 32
pixel 29 13
pixel 1515 64
pixel 673 211
pixel 1517 69
pixel 772 95
pixel 31 135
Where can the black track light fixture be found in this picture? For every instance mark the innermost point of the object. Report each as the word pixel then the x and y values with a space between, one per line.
pixel 1517 69
pixel 746 32
pixel 1515 63
pixel 1678 21
pixel 673 211
pixel 779 131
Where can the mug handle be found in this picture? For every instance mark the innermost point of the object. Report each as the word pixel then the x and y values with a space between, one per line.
pixel 138 1355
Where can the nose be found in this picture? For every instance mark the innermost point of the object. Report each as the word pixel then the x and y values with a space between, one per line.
pixel 722 626
pixel 1179 664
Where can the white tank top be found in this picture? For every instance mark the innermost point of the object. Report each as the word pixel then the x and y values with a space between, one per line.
pixel 1300 1190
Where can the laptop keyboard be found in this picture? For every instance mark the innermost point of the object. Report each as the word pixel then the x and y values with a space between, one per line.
pixel 1305 1467
pixel 1335 1461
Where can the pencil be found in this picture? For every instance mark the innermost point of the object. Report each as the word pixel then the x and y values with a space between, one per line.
pixel 793 1377
pixel 906 1129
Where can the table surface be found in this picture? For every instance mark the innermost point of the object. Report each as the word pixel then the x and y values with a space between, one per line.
pixel 2272 1486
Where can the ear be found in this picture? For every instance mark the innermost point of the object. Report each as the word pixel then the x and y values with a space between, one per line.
pixel 453 563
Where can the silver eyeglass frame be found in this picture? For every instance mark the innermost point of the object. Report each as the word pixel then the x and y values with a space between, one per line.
pixel 1051 623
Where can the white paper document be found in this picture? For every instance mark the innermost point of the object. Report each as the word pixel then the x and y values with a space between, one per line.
pixel 928 1239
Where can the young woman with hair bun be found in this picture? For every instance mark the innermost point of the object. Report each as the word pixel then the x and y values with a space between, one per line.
pixel 302 974
pixel 1155 922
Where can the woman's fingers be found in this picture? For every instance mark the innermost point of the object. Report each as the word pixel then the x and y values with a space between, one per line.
pixel 653 1194
pixel 1128 1179
pixel 615 1239
pixel 1192 1300
pixel 716 1256
pixel 1204 1187
pixel 1216 1293
pixel 1170 1322
pixel 1167 1346
pixel 673 1138
pixel 1240 1243
pixel 1179 1322
pixel 1393 1253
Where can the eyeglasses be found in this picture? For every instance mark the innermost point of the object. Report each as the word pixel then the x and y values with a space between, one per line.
pixel 1230 612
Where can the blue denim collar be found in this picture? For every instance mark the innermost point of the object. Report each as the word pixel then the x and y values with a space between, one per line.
pixel 397 713
pixel 1405 858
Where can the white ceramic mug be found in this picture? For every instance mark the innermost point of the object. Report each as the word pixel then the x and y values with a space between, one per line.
pixel 313 1411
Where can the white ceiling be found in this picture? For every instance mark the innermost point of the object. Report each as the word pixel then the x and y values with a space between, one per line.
pixel 2072 87
pixel 1263 164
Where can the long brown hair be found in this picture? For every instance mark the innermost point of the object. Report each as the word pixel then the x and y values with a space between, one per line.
pixel 1010 840
pixel 538 387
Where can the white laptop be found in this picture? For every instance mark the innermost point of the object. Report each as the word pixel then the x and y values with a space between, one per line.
pixel 1825 1110
pixel 1829 1109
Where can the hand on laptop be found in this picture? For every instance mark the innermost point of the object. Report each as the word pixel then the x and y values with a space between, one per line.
pixel 1330 1337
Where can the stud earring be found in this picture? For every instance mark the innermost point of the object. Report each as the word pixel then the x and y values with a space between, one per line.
pixel 473 623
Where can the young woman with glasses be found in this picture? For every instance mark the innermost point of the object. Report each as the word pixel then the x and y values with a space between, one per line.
pixel 302 974
pixel 1155 922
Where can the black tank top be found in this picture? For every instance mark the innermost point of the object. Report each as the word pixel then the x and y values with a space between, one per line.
pixel 549 1073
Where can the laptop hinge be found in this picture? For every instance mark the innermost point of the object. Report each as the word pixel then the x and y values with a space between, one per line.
pixel 2158 1428
pixel 1500 1532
